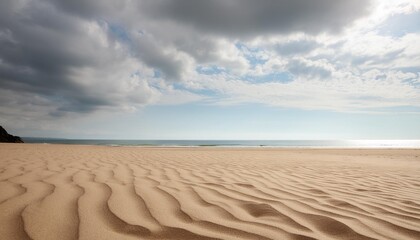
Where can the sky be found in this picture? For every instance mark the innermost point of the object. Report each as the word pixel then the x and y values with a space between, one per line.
pixel 215 69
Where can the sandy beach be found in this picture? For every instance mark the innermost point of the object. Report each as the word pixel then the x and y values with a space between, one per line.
pixel 102 192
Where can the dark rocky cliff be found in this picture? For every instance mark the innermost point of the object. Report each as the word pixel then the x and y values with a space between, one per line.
pixel 5 137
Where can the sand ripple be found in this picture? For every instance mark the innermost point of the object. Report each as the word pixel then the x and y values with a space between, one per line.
pixel 92 192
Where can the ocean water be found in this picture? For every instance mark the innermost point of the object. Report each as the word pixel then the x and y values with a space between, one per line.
pixel 237 143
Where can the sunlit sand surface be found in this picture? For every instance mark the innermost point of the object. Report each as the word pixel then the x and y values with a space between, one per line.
pixel 99 192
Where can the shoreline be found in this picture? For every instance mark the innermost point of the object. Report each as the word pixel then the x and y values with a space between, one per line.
pixel 233 147
pixel 230 147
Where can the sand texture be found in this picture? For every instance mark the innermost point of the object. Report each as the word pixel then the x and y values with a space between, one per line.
pixel 98 192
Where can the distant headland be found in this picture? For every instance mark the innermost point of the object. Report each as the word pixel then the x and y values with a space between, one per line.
pixel 6 137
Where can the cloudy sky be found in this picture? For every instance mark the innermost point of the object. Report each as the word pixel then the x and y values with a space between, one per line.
pixel 215 69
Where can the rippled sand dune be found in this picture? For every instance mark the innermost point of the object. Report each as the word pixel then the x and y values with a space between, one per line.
pixel 98 192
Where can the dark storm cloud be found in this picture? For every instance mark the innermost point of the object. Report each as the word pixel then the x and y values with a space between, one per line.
pixel 249 18
pixel 42 48
pixel 37 51
pixel 94 9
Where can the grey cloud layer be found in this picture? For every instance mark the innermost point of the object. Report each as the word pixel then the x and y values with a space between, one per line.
pixel 43 51
pixel 67 53
pixel 250 18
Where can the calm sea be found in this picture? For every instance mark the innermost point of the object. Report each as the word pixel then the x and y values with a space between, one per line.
pixel 237 143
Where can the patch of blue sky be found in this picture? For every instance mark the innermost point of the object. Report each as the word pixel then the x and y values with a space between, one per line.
pixel 209 70
pixel 400 25
pixel 412 82
pixel 282 77
pixel 119 32
pixel 199 91
pixel 255 60
pixel 157 73
pixel 251 54
pixel 241 46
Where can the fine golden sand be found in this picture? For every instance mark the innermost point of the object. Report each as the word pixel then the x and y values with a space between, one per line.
pixel 98 192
